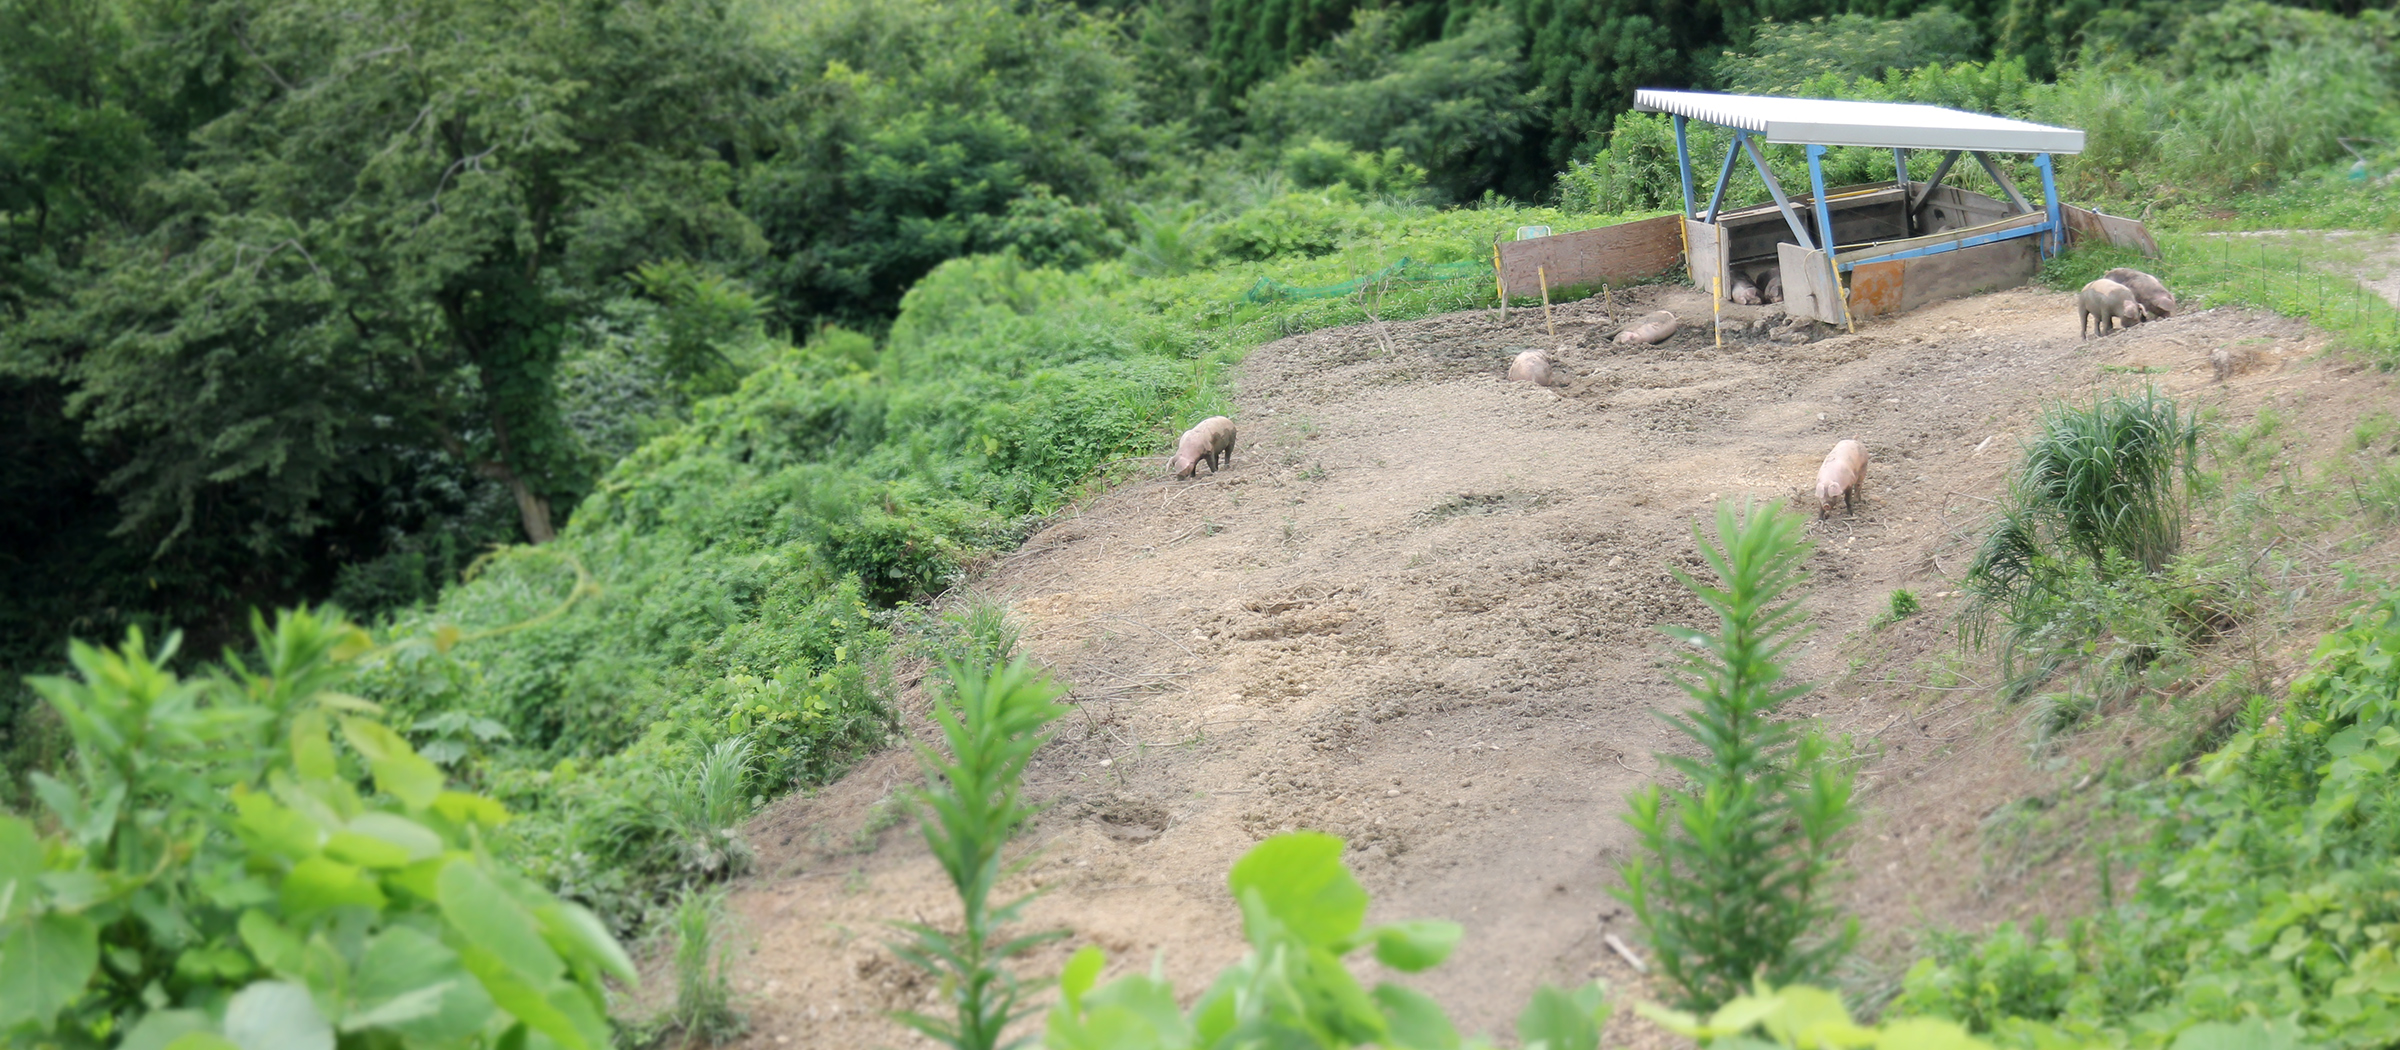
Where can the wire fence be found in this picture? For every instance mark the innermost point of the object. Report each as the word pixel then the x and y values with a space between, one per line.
pixel 2273 274
pixel 1406 271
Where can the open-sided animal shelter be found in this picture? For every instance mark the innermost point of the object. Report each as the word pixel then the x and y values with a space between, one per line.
pixel 1846 253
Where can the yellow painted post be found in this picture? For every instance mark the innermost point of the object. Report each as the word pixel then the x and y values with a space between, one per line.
pixel 1543 273
pixel 1500 277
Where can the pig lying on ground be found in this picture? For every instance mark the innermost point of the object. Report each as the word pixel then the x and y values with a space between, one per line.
pixel 1845 468
pixel 1770 285
pixel 1210 440
pixel 2108 303
pixel 1744 292
pixel 2156 300
pixel 1656 328
pixel 1532 366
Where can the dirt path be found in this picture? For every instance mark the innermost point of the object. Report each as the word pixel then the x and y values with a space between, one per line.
pixel 1418 612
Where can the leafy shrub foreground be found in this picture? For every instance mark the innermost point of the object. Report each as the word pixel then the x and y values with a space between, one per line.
pixel 253 858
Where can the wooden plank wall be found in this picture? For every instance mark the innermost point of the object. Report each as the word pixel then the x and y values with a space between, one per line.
pixel 1809 289
pixel 1619 254
pixel 2084 224
pixel 1704 257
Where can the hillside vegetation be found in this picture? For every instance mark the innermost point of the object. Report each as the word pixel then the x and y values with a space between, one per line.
pixel 638 374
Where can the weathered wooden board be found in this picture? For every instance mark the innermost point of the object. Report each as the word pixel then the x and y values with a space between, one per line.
pixel 1967 271
pixel 1866 251
pixel 1619 254
pixel 1704 257
pixel 1809 289
pixel 2086 225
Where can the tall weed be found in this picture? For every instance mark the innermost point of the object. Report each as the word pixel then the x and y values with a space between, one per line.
pixel 1729 883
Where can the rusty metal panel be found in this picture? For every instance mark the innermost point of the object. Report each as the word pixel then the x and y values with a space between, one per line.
pixel 1619 254
pixel 1875 289
pixel 2086 225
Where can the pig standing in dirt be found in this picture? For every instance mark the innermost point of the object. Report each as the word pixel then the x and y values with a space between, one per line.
pixel 1770 285
pixel 1845 468
pixel 1532 366
pixel 1744 292
pixel 1656 328
pixel 1210 440
pixel 2156 300
pixel 2108 303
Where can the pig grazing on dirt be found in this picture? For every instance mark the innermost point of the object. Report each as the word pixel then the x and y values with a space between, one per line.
pixel 1210 440
pixel 1744 292
pixel 2156 300
pixel 1532 366
pixel 2108 303
pixel 1770 285
pixel 1658 327
pixel 1845 468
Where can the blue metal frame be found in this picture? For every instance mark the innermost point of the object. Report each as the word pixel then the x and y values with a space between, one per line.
pixel 1783 201
pixel 1683 160
pixel 1816 188
pixel 2051 229
pixel 1724 175
pixel 2035 230
pixel 2056 243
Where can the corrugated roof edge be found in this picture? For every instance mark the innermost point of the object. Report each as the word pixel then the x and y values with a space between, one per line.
pixel 1843 122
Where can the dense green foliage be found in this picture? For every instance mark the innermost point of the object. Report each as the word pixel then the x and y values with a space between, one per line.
pixel 1729 883
pixel 253 857
pixel 2266 895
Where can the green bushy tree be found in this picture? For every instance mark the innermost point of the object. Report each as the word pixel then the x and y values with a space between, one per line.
pixel 1729 886
pixel 253 857
pixel 1452 107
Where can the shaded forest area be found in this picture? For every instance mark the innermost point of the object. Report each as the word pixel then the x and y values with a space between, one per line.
pixel 318 300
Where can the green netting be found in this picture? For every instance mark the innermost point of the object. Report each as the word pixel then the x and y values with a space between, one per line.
pixel 1406 271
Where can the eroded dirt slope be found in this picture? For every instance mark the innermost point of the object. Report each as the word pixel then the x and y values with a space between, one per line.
pixel 1418 611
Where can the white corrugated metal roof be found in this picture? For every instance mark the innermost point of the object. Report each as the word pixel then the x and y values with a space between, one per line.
pixel 1831 122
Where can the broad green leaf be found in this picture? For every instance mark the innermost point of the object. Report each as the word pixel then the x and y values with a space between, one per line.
pixel 2220 1035
pixel 1562 1020
pixel 575 930
pixel 276 1015
pixel 419 840
pixel 1925 1033
pixel 312 751
pixel 20 865
pixel 399 770
pixel 523 999
pixel 275 946
pixel 202 1041
pixel 350 847
pixel 321 883
pixel 415 984
pixel 164 1027
pixel 1135 1012
pixel 212 964
pixel 44 964
pixel 1415 946
pixel 459 807
pixel 1417 1022
pixel 275 828
pixel 484 915
pixel 1300 881
pixel 1081 972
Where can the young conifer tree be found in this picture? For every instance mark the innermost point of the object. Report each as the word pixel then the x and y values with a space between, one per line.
pixel 1733 860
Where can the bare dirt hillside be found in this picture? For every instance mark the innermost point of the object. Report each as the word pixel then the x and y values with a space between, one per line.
pixel 1418 612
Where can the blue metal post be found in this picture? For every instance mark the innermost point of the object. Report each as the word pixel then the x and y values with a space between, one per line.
pixel 1900 168
pixel 2056 240
pixel 1816 188
pixel 1683 160
pixel 1724 176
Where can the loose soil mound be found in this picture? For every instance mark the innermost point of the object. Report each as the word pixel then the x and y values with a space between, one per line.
pixel 1418 611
